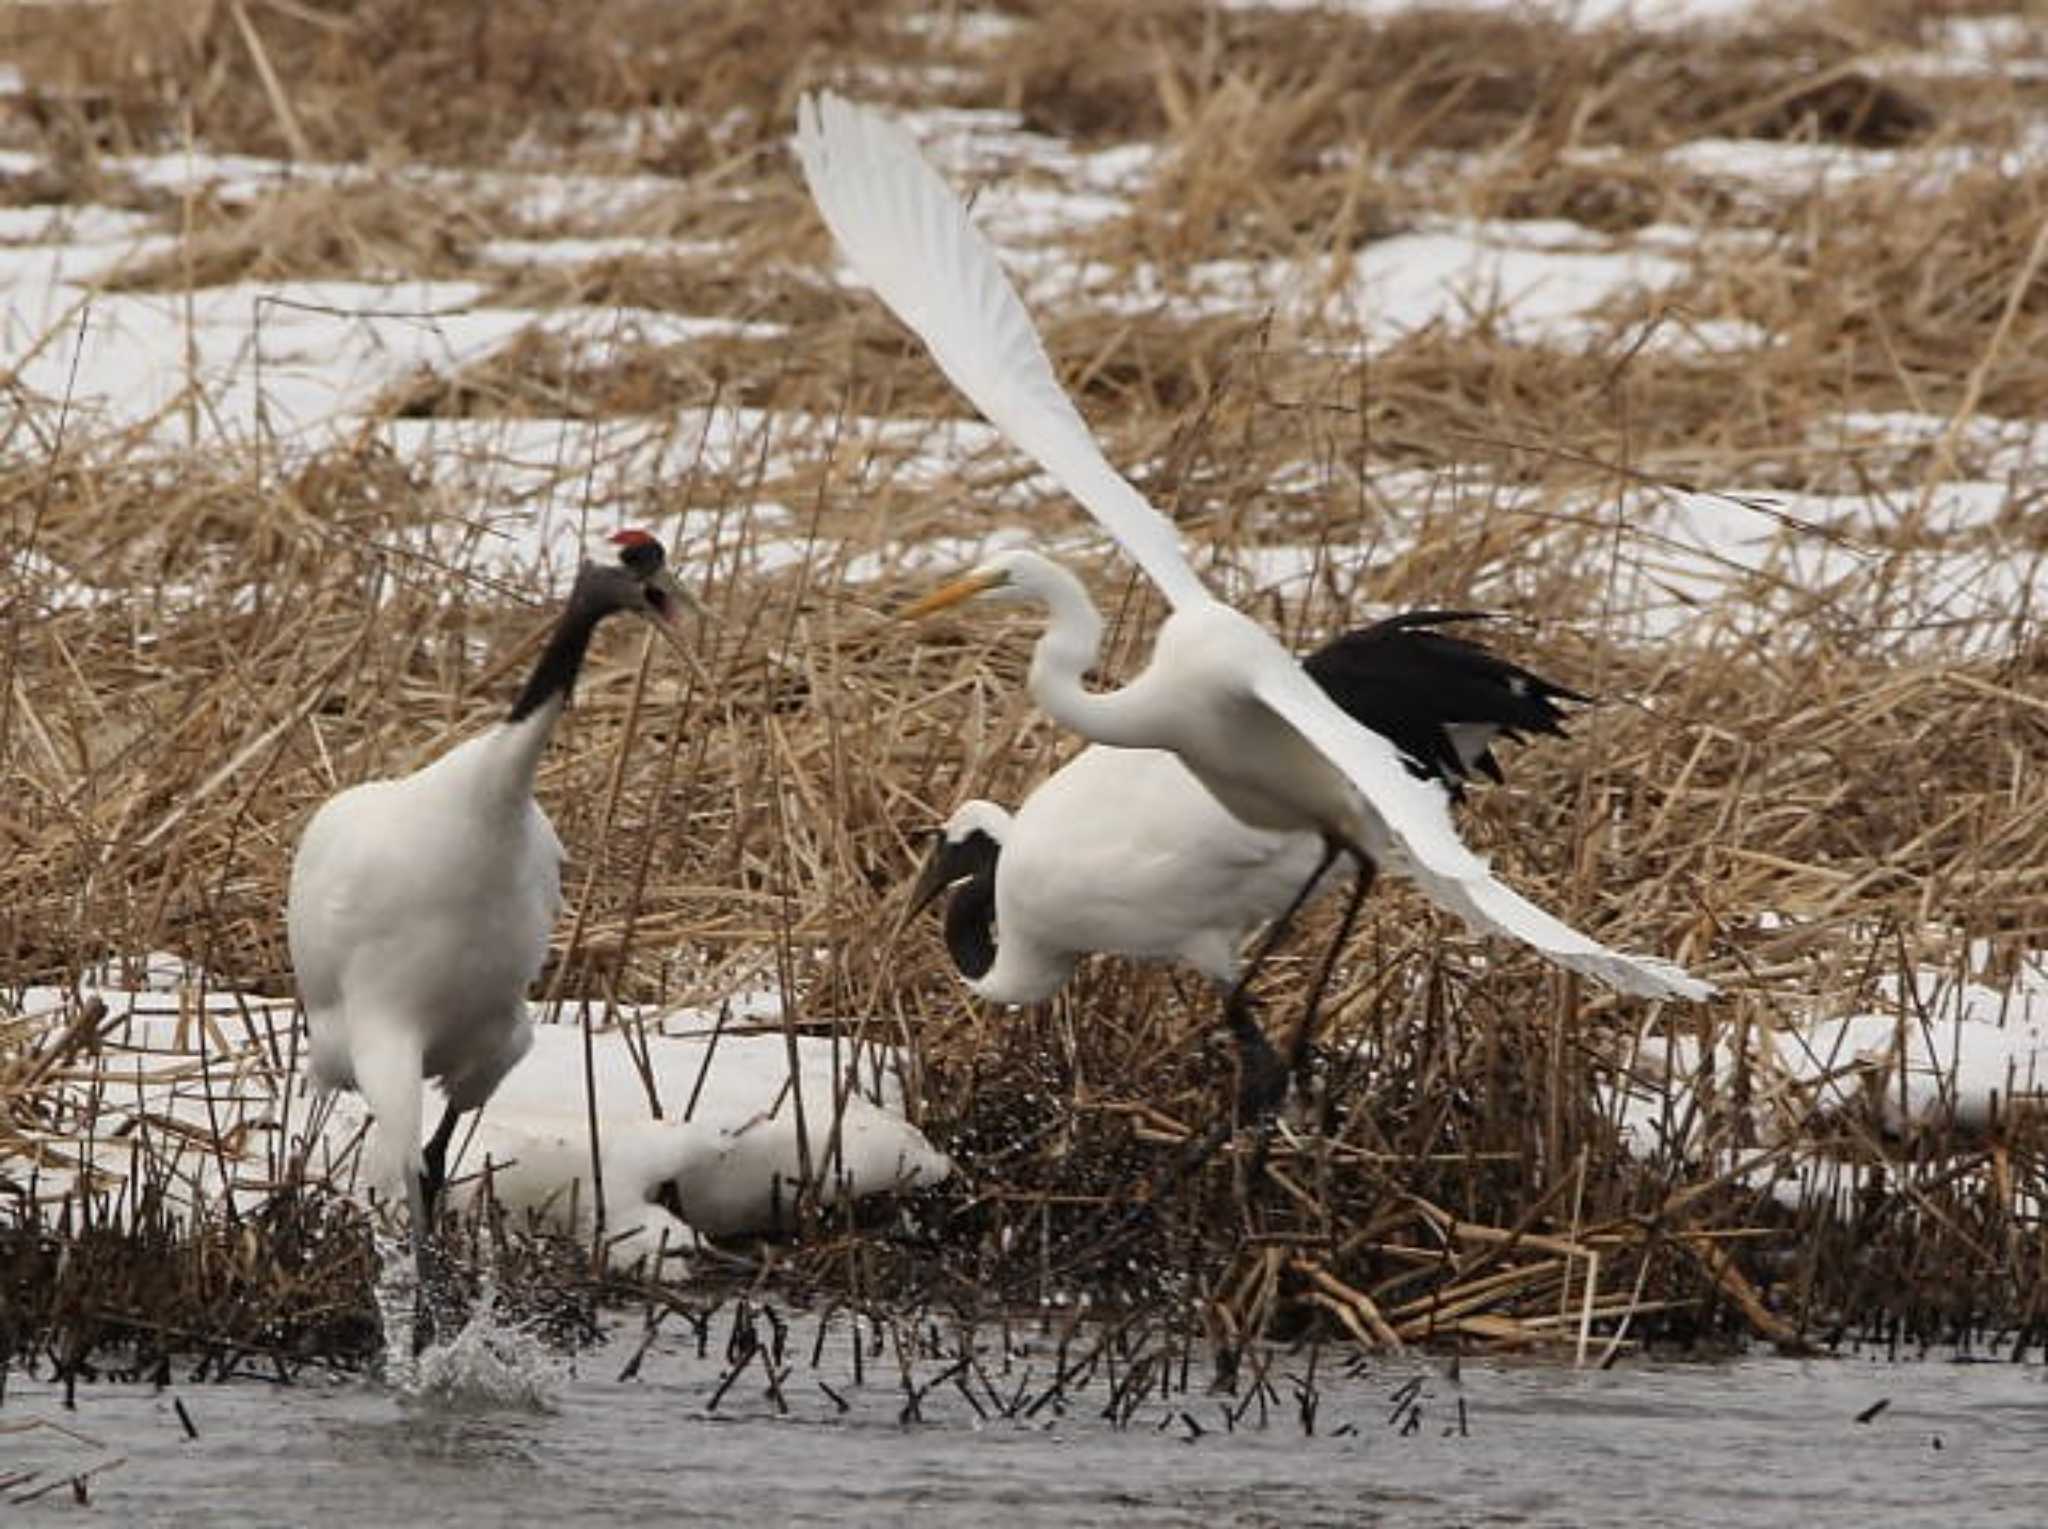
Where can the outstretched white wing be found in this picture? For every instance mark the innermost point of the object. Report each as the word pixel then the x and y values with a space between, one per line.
pixel 905 232
pixel 1426 848
pixel 902 228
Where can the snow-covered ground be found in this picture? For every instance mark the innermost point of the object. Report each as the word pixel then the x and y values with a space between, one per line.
pixel 200 1086
pixel 715 1111
pixel 299 365
pixel 1946 1059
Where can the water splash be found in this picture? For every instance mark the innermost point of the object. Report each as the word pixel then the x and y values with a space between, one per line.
pixel 489 1363
pixel 396 1294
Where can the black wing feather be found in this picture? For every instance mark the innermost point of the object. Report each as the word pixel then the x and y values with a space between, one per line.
pixel 1413 684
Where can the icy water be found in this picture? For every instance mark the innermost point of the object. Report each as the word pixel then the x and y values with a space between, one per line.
pixel 1756 1442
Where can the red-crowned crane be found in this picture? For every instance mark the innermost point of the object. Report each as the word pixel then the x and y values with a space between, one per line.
pixel 420 907
pixel 1123 852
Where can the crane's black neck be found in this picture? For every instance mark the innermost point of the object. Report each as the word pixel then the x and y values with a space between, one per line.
pixel 971 926
pixel 554 676
pixel 971 906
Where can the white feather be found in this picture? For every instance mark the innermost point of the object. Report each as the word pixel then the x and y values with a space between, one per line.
pixel 1122 852
pixel 909 238
pixel 418 915
pixel 1454 878
pixel 735 1164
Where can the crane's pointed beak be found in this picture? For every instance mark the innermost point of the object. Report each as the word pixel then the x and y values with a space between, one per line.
pixel 666 618
pixel 942 867
pixel 676 598
pixel 966 587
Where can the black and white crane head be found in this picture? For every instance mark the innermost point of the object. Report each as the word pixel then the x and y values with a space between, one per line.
pixel 638 581
pixel 1220 692
pixel 420 907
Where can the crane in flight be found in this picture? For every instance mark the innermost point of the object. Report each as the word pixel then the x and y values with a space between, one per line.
pixel 1122 851
pixel 1220 692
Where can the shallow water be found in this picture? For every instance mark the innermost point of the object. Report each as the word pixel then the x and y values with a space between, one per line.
pixel 1756 1442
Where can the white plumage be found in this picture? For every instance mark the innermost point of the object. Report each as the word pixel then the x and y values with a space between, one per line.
pixel 420 908
pixel 1219 691
pixel 734 1167
pixel 419 915
pixel 1121 852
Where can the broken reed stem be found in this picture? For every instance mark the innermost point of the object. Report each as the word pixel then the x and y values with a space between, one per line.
pixel 1943 460
pixel 280 104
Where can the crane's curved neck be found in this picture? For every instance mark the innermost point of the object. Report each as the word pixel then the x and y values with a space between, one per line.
pixel 1060 662
pixel 1010 971
pixel 1016 970
pixel 971 924
pixel 533 716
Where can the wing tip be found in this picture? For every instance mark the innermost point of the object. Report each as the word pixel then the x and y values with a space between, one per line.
pixel 1651 977
pixel 904 230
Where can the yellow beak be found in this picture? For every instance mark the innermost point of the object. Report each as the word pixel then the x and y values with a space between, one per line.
pixel 966 587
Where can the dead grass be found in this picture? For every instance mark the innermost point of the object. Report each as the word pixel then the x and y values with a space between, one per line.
pixel 263 630
pixel 777 808
pixel 734 288
pixel 466 83
pixel 1455 79
pixel 480 83
pixel 1896 289
pixel 307 233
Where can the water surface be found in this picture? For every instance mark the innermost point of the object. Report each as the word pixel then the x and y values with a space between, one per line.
pixel 1754 1442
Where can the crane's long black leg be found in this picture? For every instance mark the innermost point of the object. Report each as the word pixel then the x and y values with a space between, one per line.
pixel 1234 1005
pixel 1262 1074
pixel 1305 1026
pixel 416 1205
pixel 434 1158
pixel 433 1179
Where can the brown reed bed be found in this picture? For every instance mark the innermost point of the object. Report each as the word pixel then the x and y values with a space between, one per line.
pixel 1465 1184
pixel 266 626
pixel 1457 80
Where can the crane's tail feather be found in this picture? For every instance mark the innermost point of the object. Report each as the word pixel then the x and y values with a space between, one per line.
pixel 907 235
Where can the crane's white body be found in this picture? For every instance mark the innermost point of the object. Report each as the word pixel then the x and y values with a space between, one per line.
pixel 418 916
pixel 1220 691
pixel 1123 852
